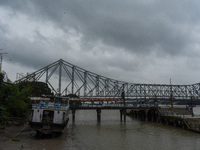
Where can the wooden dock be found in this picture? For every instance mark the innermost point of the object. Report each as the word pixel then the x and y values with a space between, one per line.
pixel 178 117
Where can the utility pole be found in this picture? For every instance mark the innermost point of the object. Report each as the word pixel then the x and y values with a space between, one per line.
pixel 192 104
pixel 1 59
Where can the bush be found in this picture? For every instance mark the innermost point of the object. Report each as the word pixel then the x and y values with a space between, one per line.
pixel 19 103
pixel 3 117
pixel 13 102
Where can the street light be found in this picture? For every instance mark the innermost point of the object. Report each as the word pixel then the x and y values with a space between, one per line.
pixel 155 102
pixel 192 104
pixel 171 94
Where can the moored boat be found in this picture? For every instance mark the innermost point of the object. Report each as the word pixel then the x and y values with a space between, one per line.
pixel 50 115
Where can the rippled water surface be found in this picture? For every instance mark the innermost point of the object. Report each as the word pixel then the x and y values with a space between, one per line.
pixel 86 134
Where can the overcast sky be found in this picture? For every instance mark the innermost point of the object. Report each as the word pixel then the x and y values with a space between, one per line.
pixel 137 41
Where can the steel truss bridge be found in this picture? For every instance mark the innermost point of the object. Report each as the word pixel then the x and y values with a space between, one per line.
pixel 65 78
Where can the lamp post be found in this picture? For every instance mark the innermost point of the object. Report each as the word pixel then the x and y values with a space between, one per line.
pixel 171 95
pixel 192 105
pixel 124 110
pixel 155 102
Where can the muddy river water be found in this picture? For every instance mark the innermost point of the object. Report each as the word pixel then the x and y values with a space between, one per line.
pixel 87 134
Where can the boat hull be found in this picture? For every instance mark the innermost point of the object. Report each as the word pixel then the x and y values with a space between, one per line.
pixel 48 128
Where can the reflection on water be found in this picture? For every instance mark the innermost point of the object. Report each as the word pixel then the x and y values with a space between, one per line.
pixel 86 134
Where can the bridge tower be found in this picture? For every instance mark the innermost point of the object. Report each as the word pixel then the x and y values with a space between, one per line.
pixel 1 60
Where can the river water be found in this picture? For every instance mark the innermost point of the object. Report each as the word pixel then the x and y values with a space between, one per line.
pixel 87 134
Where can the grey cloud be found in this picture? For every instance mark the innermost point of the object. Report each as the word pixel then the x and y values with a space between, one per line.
pixel 145 30
pixel 132 25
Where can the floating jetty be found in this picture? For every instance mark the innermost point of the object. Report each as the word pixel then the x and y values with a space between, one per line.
pixel 178 117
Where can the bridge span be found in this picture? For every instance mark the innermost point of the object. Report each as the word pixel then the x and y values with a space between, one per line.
pixel 65 78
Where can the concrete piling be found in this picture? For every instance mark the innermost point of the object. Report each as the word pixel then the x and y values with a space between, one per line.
pixel 73 114
pixel 98 115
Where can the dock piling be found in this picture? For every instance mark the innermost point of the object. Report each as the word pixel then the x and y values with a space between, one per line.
pixel 73 114
pixel 98 115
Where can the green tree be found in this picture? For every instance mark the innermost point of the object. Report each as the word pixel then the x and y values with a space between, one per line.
pixel 19 103
pixel 3 117
pixel 3 96
pixel 1 78
pixel 38 88
pixel 14 102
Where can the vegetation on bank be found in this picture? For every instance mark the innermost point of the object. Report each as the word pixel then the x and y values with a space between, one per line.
pixel 14 101
pixel 14 98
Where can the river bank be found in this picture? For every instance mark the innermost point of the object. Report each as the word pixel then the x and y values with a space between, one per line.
pixel 10 131
pixel 13 136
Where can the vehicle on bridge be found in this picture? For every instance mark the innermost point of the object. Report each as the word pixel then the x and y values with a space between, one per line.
pixel 50 115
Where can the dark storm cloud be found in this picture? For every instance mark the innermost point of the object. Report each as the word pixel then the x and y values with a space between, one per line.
pixel 136 26
pixel 123 36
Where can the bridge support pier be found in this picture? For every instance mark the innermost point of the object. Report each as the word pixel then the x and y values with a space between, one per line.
pixel 98 115
pixel 73 114
pixel 124 115
pixel 146 115
pixel 122 112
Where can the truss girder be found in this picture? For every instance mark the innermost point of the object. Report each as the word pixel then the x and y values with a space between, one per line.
pixel 75 80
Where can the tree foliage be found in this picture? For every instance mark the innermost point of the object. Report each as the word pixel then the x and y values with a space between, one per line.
pixel 38 88
pixel 14 102
pixel 19 103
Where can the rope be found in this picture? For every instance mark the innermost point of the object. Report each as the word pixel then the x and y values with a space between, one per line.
pixel 186 123
pixel 19 131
